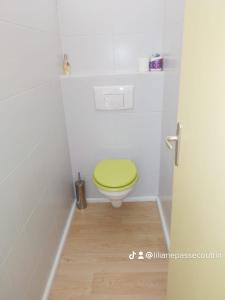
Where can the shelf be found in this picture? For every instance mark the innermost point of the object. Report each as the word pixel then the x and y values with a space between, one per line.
pixel 86 75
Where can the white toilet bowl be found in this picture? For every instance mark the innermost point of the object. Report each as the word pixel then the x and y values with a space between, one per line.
pixel 116 198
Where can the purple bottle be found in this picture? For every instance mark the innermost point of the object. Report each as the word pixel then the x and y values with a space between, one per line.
pixel 156 62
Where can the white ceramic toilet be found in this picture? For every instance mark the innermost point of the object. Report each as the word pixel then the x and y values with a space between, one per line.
pixel 115 179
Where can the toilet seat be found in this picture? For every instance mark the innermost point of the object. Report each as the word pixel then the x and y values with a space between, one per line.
pixel 115 175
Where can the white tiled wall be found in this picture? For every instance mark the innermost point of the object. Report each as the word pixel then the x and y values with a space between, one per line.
pixel 174 14
pixel 103 36
pixel 35 174
pixel 107 37
pixel 133 134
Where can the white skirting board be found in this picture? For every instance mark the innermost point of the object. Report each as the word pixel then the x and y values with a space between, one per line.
pixel 129 199
pixel 163 222
pixel 59 252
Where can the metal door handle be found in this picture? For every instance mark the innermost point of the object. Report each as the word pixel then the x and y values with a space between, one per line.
pixel 177 140
pixel 170 139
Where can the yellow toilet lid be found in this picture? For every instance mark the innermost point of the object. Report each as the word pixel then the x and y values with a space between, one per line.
pixel 115 173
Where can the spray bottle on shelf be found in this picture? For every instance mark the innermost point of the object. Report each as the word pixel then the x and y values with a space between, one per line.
pixel 66 65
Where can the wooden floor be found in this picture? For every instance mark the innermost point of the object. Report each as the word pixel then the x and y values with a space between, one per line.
pixel 95 263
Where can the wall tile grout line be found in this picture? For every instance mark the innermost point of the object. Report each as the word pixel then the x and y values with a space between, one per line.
pixel 27 90
pixel 20 232
pixel 20 163
pixel 5 21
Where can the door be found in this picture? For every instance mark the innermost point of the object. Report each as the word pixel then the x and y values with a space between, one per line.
pixel 198 213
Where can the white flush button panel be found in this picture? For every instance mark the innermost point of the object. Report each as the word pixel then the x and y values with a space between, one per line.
pixel 114 97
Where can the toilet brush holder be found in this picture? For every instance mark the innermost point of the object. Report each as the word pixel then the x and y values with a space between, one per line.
pixel 80 193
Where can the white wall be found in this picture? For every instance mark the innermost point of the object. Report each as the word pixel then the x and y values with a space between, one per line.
pixel 96 135
pixel 109 35
pixel 35 174
pixel 174 11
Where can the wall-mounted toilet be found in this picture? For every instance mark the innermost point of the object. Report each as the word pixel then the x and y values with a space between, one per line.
pixel 115 179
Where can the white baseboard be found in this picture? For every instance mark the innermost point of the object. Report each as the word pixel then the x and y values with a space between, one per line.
pixel 163 222
pixel 129 199
pixel 59 253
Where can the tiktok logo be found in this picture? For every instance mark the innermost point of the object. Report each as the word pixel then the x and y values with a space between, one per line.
pixel 132 255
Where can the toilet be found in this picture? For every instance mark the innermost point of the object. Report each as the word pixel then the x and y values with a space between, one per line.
pixel 115 179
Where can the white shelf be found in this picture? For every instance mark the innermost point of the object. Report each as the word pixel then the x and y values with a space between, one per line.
pixel 85 75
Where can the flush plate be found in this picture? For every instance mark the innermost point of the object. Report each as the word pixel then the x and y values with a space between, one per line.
pixel 114 97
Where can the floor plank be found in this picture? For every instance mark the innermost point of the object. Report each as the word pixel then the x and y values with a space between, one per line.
pixel 95 263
